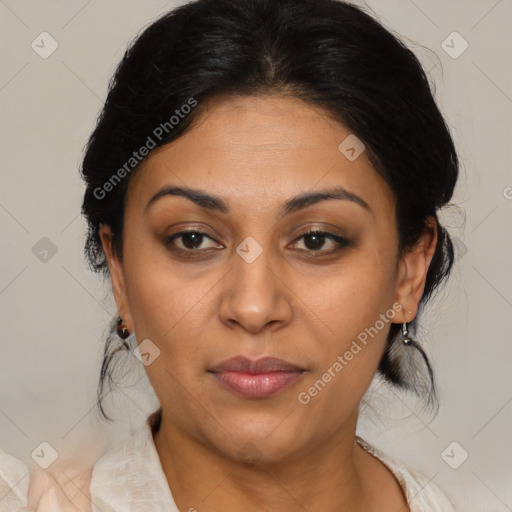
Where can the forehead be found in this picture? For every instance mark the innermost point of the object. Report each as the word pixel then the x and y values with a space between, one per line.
pixel 258 150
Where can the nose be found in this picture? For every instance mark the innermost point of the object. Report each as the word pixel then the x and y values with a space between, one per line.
pixel 255 295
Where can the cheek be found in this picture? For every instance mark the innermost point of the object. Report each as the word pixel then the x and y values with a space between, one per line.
pixel 163 301
pixel 350 299
pixel 359 317
pixel 356 306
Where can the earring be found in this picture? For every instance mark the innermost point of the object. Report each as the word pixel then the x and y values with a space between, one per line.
pixel 405 334
pixel 122 330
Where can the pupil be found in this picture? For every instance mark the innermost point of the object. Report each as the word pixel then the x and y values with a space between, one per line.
pixel 192 240
pixel 318 241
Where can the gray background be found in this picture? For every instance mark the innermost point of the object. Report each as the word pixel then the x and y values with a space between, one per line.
pixel 54 313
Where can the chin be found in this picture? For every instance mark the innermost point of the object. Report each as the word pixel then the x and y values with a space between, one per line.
pixel 268 438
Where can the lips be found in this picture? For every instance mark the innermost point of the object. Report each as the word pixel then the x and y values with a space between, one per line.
pixel 256 379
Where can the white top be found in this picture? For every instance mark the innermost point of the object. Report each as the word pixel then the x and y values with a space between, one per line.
pixel 14 480
pixel 130 478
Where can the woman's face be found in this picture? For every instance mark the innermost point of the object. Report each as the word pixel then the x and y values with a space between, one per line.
pixel 254 283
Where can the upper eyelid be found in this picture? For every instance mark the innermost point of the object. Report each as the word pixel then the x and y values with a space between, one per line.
pixel 307 232
pixel 186 231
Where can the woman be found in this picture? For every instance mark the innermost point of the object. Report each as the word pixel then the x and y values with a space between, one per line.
pixel 262 189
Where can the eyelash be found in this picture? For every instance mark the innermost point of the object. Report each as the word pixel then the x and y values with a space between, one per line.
pixel 341 241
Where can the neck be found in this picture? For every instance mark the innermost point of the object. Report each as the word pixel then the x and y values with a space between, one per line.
pixel 326 478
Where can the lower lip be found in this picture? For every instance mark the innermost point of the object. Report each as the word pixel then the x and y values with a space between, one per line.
pixel 257 385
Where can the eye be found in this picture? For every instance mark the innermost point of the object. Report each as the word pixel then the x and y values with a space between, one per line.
pixel 189 241
pixel 315 241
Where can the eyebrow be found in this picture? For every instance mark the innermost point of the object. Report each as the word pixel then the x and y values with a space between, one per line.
pixel 215 203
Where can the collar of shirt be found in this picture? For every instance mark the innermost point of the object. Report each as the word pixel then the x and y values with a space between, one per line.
pixel 130 478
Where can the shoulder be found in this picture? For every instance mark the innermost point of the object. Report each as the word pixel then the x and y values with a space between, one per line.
pixel 14 481
pixel 422 494
pixel 64 487
pixel 130 477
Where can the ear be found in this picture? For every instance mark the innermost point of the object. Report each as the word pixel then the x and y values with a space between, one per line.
pixel 116 275
pixel 413 268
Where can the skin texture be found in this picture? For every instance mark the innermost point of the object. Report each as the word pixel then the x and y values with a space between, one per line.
pixel 303 306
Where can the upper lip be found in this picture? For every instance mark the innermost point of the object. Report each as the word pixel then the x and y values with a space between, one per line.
pixel 263 365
